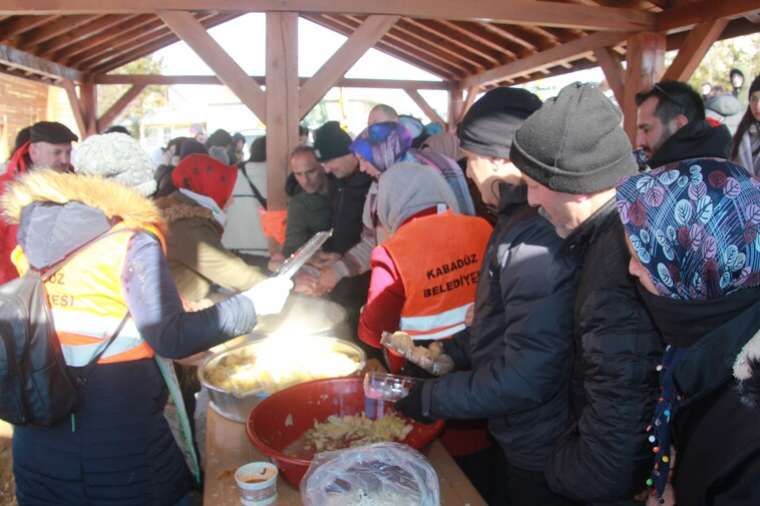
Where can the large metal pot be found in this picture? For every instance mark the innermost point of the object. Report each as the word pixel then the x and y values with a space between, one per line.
pixel 237 405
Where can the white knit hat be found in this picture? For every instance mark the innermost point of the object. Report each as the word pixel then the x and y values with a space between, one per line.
pixel 116 156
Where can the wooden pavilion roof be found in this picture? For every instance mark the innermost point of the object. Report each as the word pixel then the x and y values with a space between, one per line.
pixel 459 49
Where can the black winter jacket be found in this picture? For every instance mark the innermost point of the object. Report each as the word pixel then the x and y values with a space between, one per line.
pixel 716 436
pixel 697 139
pixel 347 196
pixel 605 456
pixel 514 361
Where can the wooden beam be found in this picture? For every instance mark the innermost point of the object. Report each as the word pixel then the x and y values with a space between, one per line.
pixel 119 106
pixel 71 53
pixel 366 36
pixel 14 28
pixel 187 28
pixel 76 106
pixel 645 61
pixel 426 108
pixel 700 12
pixel 88 98
pixel 20 59
pixel 455 108
pixel 151 79
pixel 521 12
pixel 53 29
pixel 575 48
pixel 282 101
pixel 472 94
pixel 695 48
pixel 613 71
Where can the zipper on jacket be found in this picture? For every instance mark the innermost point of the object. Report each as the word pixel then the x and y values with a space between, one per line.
pixel 73 422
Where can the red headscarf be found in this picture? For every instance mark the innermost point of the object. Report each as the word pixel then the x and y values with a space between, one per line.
pixel 206 176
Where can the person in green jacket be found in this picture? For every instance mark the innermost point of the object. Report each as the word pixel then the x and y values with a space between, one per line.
pixel 309 208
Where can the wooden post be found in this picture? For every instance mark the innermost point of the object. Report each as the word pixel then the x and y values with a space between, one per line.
pixel 89 100
pixel 646 60
pixel 613 72
pixel 281 101
pixel 456 101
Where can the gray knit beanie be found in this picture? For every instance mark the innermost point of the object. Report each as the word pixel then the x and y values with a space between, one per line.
pixel 574 143
pixel 117 156
pixel 408 188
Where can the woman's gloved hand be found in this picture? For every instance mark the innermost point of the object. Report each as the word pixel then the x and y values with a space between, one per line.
pixel 431 359
pixel 411 405
pixel 270 295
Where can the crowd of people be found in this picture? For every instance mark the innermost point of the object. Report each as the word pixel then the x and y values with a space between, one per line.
pixel 584 315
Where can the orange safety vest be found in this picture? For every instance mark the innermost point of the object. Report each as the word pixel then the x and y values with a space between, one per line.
pixel 438 258
pixel 86 299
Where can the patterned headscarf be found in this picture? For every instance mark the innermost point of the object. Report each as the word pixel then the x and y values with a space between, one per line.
pixel 206 176
pixel 694 226
pixel 383 144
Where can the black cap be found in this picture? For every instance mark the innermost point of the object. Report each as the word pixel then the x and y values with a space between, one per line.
pixel 490 125
pixel 331 141
pixel 52 132
pixel 574 143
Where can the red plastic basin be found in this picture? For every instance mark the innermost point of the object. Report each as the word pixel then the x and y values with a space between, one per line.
pixel 283 417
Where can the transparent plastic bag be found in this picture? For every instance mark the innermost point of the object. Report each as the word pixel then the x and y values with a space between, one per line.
pixel 382 474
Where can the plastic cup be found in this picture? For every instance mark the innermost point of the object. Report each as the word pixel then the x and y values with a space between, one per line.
pixel 380 388
pixel 257 482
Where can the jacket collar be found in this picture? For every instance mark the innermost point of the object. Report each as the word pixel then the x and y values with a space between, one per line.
pixel 577 242
pixel 511 195
pixel 697 139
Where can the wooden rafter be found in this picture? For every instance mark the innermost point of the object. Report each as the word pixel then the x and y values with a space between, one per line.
pixel 526 47
pixel 148 79
pixel 27 62
pixel 18 26
pixel 366 36
pixel 694 48
pixel 546 58
pixel 402 49
pixel 62 25
pixel 694 13
pixel 102 40
pixel 485 55
pixel 76 106
pixel 467 57
pixel 426 108
pixel 613 71
pixel 119 106
pixel 527 12
pixel 194 34
pixel 87 32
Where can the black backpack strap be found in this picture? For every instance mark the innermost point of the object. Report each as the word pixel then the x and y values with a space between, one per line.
pixel 84 372
pixel 256 193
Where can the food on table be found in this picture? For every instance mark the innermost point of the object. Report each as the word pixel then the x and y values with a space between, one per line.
pixel 355 430
pixel 276 363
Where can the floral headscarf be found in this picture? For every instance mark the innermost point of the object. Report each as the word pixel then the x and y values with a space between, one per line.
pixel 383 144
pixel 694 226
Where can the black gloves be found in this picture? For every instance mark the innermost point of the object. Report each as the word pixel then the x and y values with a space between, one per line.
pixel 411 405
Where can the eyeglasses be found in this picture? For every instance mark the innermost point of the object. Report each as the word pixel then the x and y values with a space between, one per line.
pixel 660 91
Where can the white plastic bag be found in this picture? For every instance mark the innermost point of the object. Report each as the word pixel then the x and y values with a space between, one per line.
pixel 382 474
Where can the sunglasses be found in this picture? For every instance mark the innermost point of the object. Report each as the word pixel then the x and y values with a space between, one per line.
pixel 660 92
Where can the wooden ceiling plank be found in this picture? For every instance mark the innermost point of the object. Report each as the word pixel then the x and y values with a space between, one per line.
pixel 69 54
pixel 546 58
pixel 694 49
pixel 147 47
pixel 440 45
pixel 399 53
pixel 29 62
pixel 475 32
pixel 62 25
pixel 531 12
pixel 704 11
pixel 85 32
pixel 613 71
pixel 509 35
pixel 364 38
pixel 426 108
pixel 399 43
pixel 484 56
pixel 499 54
pixel 194 34
pixel 21 25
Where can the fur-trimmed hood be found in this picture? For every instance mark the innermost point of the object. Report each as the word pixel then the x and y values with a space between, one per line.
pixel 747 371
pixel 48 186
pixel 176 207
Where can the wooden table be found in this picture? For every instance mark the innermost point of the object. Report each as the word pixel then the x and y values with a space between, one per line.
pixel 227 448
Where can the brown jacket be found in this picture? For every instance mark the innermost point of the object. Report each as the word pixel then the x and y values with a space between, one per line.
pixel 195 252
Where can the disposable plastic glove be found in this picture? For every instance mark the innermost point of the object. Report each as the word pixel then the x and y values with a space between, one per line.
pixel 431 359
pixel 270 295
